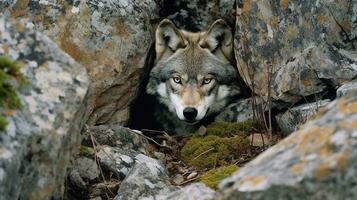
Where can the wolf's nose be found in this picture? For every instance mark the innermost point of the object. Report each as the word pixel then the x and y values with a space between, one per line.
pixel 190 113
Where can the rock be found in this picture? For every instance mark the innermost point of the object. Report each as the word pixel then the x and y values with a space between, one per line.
pixel 116 135
pixel 104 189
pixel 202 131
pixel 116 160
pixel 76 179
pixel 241 110
pixel 37 145
pixel 160 156
pixel 196 15
pixel 178 179
pixel 290 120
pixel 110 38
pixel 347 88
pixel 87 168
pixel 305 46
pixel 195 191
pixel 236 112
pixel 315 162
pixel 145 180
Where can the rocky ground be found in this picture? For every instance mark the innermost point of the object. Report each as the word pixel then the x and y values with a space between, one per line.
pixel 86 60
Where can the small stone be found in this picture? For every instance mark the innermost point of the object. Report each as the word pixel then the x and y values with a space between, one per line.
pixel 87 168
pixel 178 179
pixel 202 131
pixel 160 156
pixel 192 175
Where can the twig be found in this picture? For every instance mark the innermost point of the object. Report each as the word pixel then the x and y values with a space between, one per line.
pixel 189 180
pixel 148 138
pixel 203 153
pixel 97 162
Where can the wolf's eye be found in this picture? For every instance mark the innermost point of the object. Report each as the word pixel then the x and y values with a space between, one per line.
pixel 176 79
pixel 207 81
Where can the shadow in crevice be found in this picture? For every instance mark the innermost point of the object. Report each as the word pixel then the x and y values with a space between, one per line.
pixel 141 109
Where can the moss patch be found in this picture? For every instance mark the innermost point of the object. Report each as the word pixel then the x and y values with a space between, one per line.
pixel 212 150
pixel 11 79
pixel 228 129
pixel 212 177
pixel 86 151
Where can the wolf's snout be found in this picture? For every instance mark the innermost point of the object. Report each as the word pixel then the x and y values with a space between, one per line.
pixel 190 113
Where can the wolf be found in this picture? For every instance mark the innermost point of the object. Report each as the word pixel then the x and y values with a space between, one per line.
pixel 193 77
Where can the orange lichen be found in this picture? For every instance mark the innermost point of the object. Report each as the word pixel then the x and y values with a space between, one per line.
pixel 346 25
pixel 253 181
pixel 313 138
pixel 342 161
pixel 322 172
pixel 19 27
pixel 325 151
pixel 284 4
pixel 292 32
pixel 297 168
pixel 321 19
pixel 246 7
pixel 346 106
pixel 121 29
pixel 68 45
pixel 348 124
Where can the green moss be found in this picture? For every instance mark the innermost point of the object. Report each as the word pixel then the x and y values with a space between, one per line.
pixel 212 177
pixel 211 150
pixel 86 151
pixel 11 79
pixel 230 128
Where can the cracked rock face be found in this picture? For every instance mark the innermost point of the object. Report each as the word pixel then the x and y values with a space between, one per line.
pixel 111 39
pixel 36 147
pixel 316 162
pixel 307 45
pixel 145 180
pixel 290 120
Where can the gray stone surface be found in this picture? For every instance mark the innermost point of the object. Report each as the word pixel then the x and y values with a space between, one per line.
pixel 307 45
pixel 145 180
pixel 291 119
pixel 316 162
pixel 37 145
pixel 347 88
pixel 87 168
pixel 111 39
pixel 194 191
pixel 116 160
pixel 116 136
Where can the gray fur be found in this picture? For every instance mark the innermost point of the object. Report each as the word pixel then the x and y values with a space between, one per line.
pixel 192 55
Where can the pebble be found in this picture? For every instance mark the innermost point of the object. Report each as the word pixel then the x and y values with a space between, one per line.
pixel 192 175
pixel 178 179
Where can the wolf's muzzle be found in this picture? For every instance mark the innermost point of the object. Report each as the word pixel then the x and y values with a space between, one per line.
pixel 190 113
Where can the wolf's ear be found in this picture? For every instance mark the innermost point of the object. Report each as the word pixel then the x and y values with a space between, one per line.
pixel 218 37
pixel 168 37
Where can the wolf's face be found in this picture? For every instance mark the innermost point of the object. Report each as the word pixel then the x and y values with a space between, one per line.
pixel 192 74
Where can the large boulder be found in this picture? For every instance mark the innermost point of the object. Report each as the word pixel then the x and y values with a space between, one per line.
pixel 36 147
pixel 316 162
pixel 111 39
pixel 306 46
